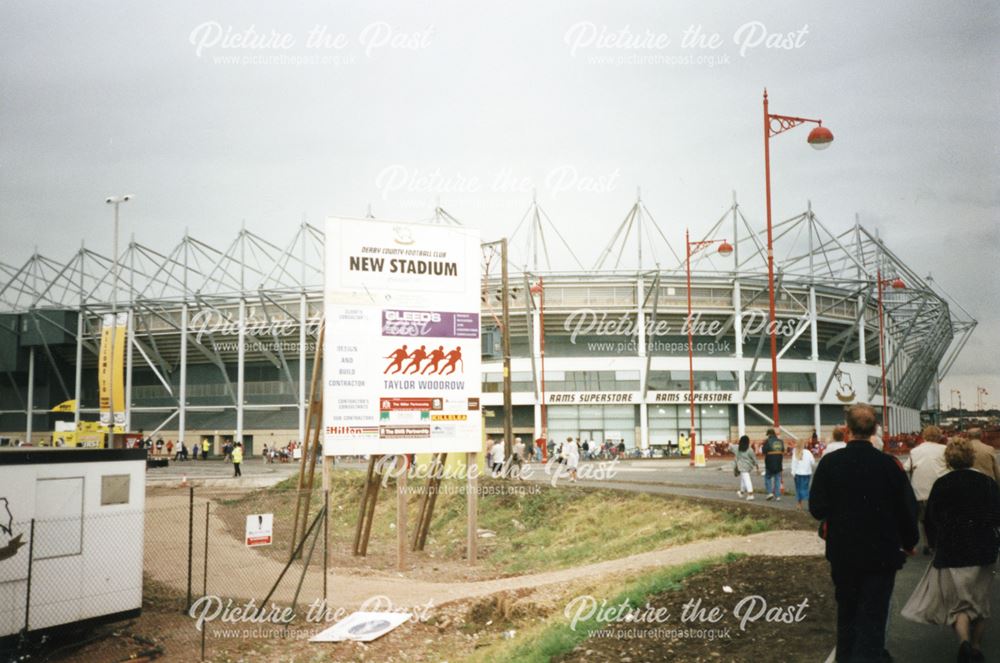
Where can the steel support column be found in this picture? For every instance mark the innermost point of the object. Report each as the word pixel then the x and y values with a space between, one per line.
pixel 129 343
pixel 31 394
pixel 182 387
pixel 78 369
pixel 241 368
pixel 641 337
pixel 814 353
pixel 303 313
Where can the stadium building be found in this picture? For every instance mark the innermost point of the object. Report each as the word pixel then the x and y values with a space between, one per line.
pixel 221 339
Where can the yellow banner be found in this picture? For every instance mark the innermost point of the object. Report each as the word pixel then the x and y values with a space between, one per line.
pixel 65 406
pixel 111 370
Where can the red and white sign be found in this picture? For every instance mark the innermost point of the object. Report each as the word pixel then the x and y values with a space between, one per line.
pixel 422 404
pixel 260 530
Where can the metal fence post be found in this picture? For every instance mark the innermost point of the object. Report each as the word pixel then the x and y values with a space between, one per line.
pixel 204 579
pixel 31 557
pixel 190 542
pixel 326 539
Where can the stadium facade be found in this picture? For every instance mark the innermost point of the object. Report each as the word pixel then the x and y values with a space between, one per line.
pixel 221 340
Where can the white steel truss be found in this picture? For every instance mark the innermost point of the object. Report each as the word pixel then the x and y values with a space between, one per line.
pixel 252 275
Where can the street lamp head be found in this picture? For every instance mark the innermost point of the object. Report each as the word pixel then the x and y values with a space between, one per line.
pixel 114 200
pixel 820 137
pixel 725 249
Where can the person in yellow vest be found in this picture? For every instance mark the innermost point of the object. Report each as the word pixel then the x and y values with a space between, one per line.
pixel 684 445
pixel 237 459
pixel 204 449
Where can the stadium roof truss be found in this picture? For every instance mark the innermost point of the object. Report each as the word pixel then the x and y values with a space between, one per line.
pixel 928 328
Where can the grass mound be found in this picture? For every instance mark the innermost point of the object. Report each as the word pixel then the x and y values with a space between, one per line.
pixel 532 526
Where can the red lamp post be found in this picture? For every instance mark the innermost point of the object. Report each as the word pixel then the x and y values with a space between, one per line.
pixel 539 289
pixel 897 284
pixel 820 138
pixel 725 249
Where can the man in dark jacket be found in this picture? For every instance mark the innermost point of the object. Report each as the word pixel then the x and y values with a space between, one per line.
pixel 774 454
pixel 871 518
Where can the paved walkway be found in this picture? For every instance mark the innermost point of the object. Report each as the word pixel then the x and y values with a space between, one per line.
pixel 920 643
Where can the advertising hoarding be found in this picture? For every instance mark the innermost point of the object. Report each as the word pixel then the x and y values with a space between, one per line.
pixel 402 352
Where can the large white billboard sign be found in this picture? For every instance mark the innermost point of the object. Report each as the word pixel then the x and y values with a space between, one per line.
pixel 401 365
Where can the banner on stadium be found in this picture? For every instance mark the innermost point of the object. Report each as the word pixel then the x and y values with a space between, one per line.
pixel 111 370
pixel 401 365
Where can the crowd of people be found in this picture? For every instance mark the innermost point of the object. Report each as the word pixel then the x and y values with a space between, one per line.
pixel 874 510
pixel 870 507
pixel 276 454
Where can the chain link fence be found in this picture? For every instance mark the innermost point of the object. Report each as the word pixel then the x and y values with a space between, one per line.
pixel 184 556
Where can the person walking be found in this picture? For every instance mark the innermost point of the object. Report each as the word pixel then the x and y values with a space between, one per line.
pixel 571 451
pixel 774 453
pixel 926 465
pixel 745 463
pixel 517 458
pixel 204 449
pixel 496 458
pixel 237 456
pixel 871 526
pixel 838 442
pixel 802 469
pixel 986 456
pixel 962 520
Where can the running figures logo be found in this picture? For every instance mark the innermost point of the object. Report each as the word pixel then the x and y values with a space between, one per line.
pixel 452 361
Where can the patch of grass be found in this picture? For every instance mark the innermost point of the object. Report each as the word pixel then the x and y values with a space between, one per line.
pixel 569 526
pixel 555 637
pixel 537 527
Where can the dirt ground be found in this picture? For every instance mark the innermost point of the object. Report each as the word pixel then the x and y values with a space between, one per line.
pixel 468 611
pixel 782 582
pixel 459 629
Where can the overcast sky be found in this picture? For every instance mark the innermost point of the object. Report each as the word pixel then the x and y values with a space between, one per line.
pixel 255 111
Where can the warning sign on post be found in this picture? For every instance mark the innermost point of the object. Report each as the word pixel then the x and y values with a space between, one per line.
pixel 260 528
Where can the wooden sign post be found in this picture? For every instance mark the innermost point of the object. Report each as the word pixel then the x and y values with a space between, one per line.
pixel 472 505
pixel 401 468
